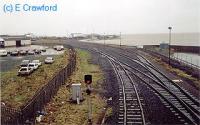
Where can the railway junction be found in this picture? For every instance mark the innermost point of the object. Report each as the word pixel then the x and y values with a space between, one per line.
pixel 143 92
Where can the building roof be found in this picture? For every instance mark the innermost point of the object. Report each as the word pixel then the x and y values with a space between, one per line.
pixel 19 37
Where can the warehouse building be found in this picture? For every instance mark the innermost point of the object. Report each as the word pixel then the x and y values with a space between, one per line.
pixel 17 41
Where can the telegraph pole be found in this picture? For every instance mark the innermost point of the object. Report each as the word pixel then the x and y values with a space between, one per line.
pixel 170 28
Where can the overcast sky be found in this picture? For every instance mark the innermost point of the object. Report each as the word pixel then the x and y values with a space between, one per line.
pixel 99 16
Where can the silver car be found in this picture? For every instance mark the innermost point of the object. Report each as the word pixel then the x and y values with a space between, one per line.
pixel 25 71
pixel 34 66
pixel 49 60
pixel 25 63
pixel 37 62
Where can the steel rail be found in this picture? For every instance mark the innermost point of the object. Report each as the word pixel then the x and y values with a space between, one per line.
pixel 113 61
pixel 193 114
pixel 150 65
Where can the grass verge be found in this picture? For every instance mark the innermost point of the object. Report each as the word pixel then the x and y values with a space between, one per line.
pixel 17 90
pixel 60 111
pixel 178 72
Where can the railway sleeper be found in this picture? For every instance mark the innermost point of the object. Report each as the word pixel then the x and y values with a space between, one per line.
pixel 133 112
pixel 121 115
pixel 134 122
pixel 134 106
pixel 121 109
pixel 131 115
pixel 120 122
pixel 131 99
pixel 121 106
pixel 120 118
pixel 128 97
pixel 137 109
pixel 135 119
pixel 168 106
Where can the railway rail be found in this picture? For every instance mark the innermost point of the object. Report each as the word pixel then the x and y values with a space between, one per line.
pixel 130 105
pixel 181 103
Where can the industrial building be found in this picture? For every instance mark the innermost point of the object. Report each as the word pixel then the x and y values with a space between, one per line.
pixel 18 41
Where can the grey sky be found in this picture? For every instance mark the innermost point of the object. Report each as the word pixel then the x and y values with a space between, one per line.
pixel 109 16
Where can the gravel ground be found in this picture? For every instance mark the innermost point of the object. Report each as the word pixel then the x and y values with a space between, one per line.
pixel 109 85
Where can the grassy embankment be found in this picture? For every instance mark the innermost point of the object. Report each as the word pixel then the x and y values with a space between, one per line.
pixel 17 90
pixel 60 111
pixel 176 71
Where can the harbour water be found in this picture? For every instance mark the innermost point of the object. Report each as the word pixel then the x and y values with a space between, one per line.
pixel 184 39
pixel 188 57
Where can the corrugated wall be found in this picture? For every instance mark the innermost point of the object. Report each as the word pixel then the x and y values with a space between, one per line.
pixel 25 42
pixel 10 43
pixel 13 43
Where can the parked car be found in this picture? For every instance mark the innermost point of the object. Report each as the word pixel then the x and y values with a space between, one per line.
pixel 59 47
pixel 34 66
pixel 37 62
pixel 14 53
pixel 22 52
pixel 54 47
pixel 37 51
pixel 25 63
pixel 31 52
pixel 62 47
pixel 25 71
pixel 49 60
pixel 3 53
pixel 43 49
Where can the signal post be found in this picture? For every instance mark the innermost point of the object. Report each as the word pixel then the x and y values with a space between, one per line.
pixel 88 81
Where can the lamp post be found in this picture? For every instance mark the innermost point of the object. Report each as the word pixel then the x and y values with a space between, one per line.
pixel 104 39
pixel 120 40
pixel 170 29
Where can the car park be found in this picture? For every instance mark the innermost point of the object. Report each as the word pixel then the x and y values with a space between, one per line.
pixel 25 71
pixel 34 66
pixel 3 53
pixel 49 60
pixel 37 62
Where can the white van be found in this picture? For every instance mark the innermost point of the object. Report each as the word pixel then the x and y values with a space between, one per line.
pixel 3 53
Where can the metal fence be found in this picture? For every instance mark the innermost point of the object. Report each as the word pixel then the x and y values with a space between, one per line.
pixel 28 113
pixel 188 68
pixel 173 58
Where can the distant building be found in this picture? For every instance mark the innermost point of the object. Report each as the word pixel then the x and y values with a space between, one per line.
pixel 1 42
pixel 9 41
pixel 78 36
pixel 164 46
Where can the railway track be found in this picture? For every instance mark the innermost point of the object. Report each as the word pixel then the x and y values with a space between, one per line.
pixel 182 93
pixel 130 105
pixel 180 102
